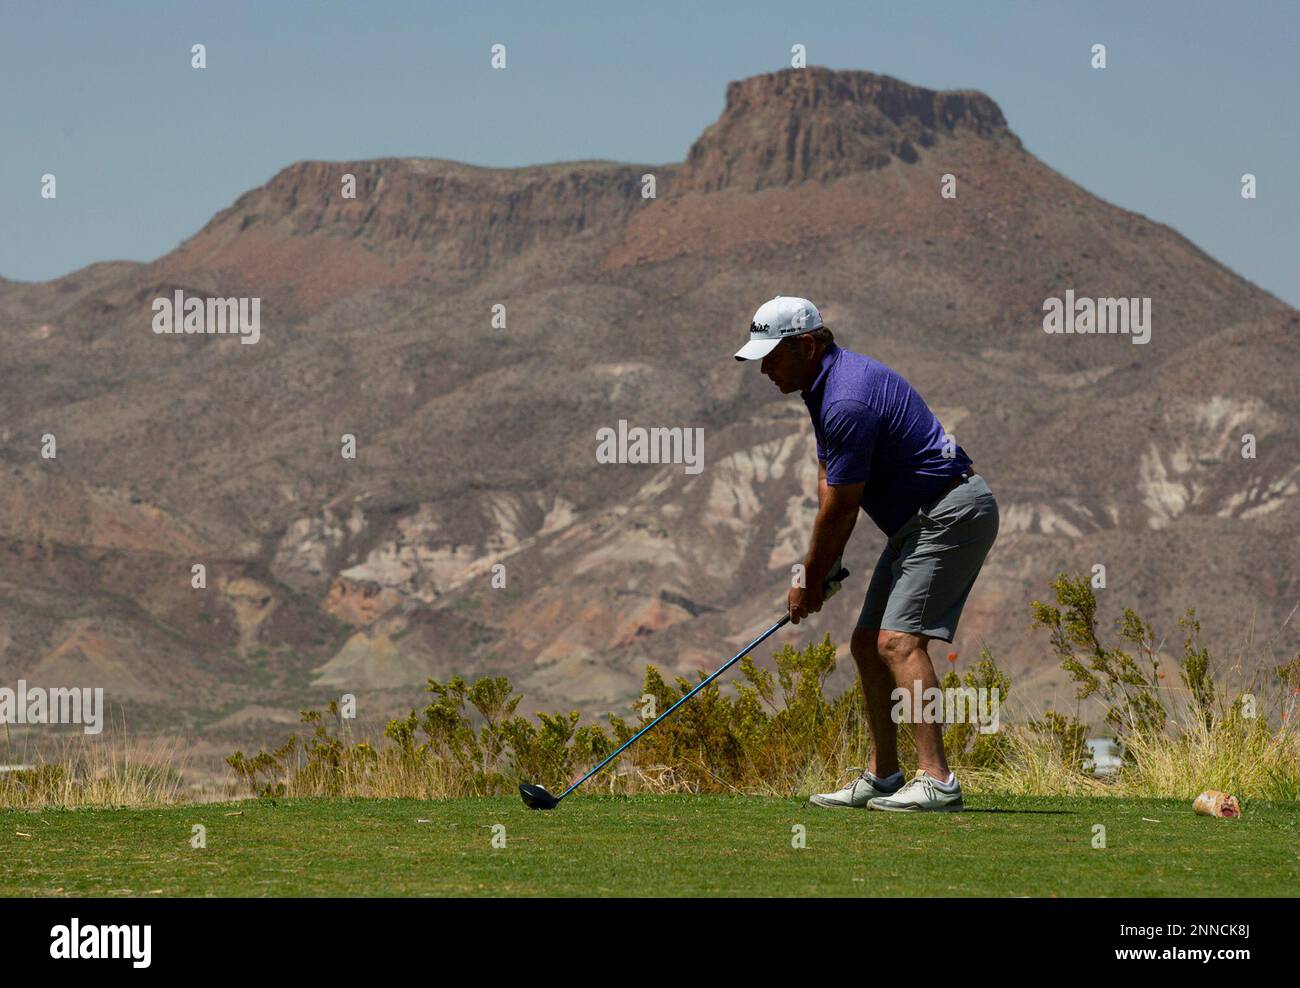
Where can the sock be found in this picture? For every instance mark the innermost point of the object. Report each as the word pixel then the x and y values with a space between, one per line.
pixel 947 786
pixel 890 783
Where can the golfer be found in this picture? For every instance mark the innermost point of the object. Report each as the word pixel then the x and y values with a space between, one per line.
pixel 880 449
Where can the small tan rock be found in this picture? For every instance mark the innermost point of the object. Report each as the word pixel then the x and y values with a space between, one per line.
pixel 1215 803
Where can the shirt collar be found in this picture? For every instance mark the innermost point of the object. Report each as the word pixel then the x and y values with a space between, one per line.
pixel 828 358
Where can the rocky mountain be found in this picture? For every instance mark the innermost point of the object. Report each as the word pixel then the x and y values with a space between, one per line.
pixel 382 319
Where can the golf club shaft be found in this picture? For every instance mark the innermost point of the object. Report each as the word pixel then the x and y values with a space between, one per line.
pixel 703 683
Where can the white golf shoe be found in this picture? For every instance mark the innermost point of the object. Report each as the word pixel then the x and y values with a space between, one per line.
pixel 923 794
pixel 859 792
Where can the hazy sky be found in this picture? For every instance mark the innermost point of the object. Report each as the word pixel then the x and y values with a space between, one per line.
pixel 145 149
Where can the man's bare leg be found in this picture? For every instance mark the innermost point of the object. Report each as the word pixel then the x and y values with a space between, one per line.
pixel 877 684
pixel 882 777
pixel 908 662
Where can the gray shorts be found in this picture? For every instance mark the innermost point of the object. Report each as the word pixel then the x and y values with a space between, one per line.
pixel 926 572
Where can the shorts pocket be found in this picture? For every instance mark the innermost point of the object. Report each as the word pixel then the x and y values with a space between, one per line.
pixel 959 505
pixel 947 511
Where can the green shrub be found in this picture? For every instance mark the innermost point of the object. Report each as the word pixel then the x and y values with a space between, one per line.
pixel 775 731
pixel 1126 684
pixel 963 742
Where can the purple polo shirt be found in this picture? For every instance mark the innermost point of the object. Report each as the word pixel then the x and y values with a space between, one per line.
pixel 872 427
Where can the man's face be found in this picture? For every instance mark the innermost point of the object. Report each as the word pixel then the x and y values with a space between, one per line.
pixel 790 365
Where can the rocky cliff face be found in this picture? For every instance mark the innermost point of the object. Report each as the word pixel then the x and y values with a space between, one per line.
pixel 797 125
pixel 412 220
pixel 475 533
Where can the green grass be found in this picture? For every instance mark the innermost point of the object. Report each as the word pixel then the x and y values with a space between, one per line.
pixel 649 846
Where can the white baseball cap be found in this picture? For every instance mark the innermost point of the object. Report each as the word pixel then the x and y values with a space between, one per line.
pixel 776 320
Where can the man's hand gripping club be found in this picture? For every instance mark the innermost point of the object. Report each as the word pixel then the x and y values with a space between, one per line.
pixel 837 513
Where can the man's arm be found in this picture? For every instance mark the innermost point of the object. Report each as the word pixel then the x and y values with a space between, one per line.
pixel 837 513
pixel 836 516
pixel 844 451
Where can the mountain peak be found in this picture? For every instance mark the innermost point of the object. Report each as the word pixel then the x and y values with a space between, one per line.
pixel 817 123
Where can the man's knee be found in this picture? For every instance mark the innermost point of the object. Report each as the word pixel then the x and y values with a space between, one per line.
pixel 863 645
pixel 894 647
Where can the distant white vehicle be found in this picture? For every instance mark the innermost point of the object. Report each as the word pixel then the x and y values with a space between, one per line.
pixel 1106 756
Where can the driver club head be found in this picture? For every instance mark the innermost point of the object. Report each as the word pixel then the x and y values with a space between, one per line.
pixel 536 797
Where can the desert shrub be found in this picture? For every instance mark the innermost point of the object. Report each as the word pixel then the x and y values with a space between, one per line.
pixel 770 730
pixel 1177 741
pixel 776 733
pixel 1243 755
pixel 1065 737
pixel 1125 682
pixel 92 772
pixel 964 743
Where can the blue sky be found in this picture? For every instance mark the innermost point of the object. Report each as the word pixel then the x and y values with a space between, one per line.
pixel 146 149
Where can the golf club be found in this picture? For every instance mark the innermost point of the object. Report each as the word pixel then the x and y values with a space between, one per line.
pixel 539 798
